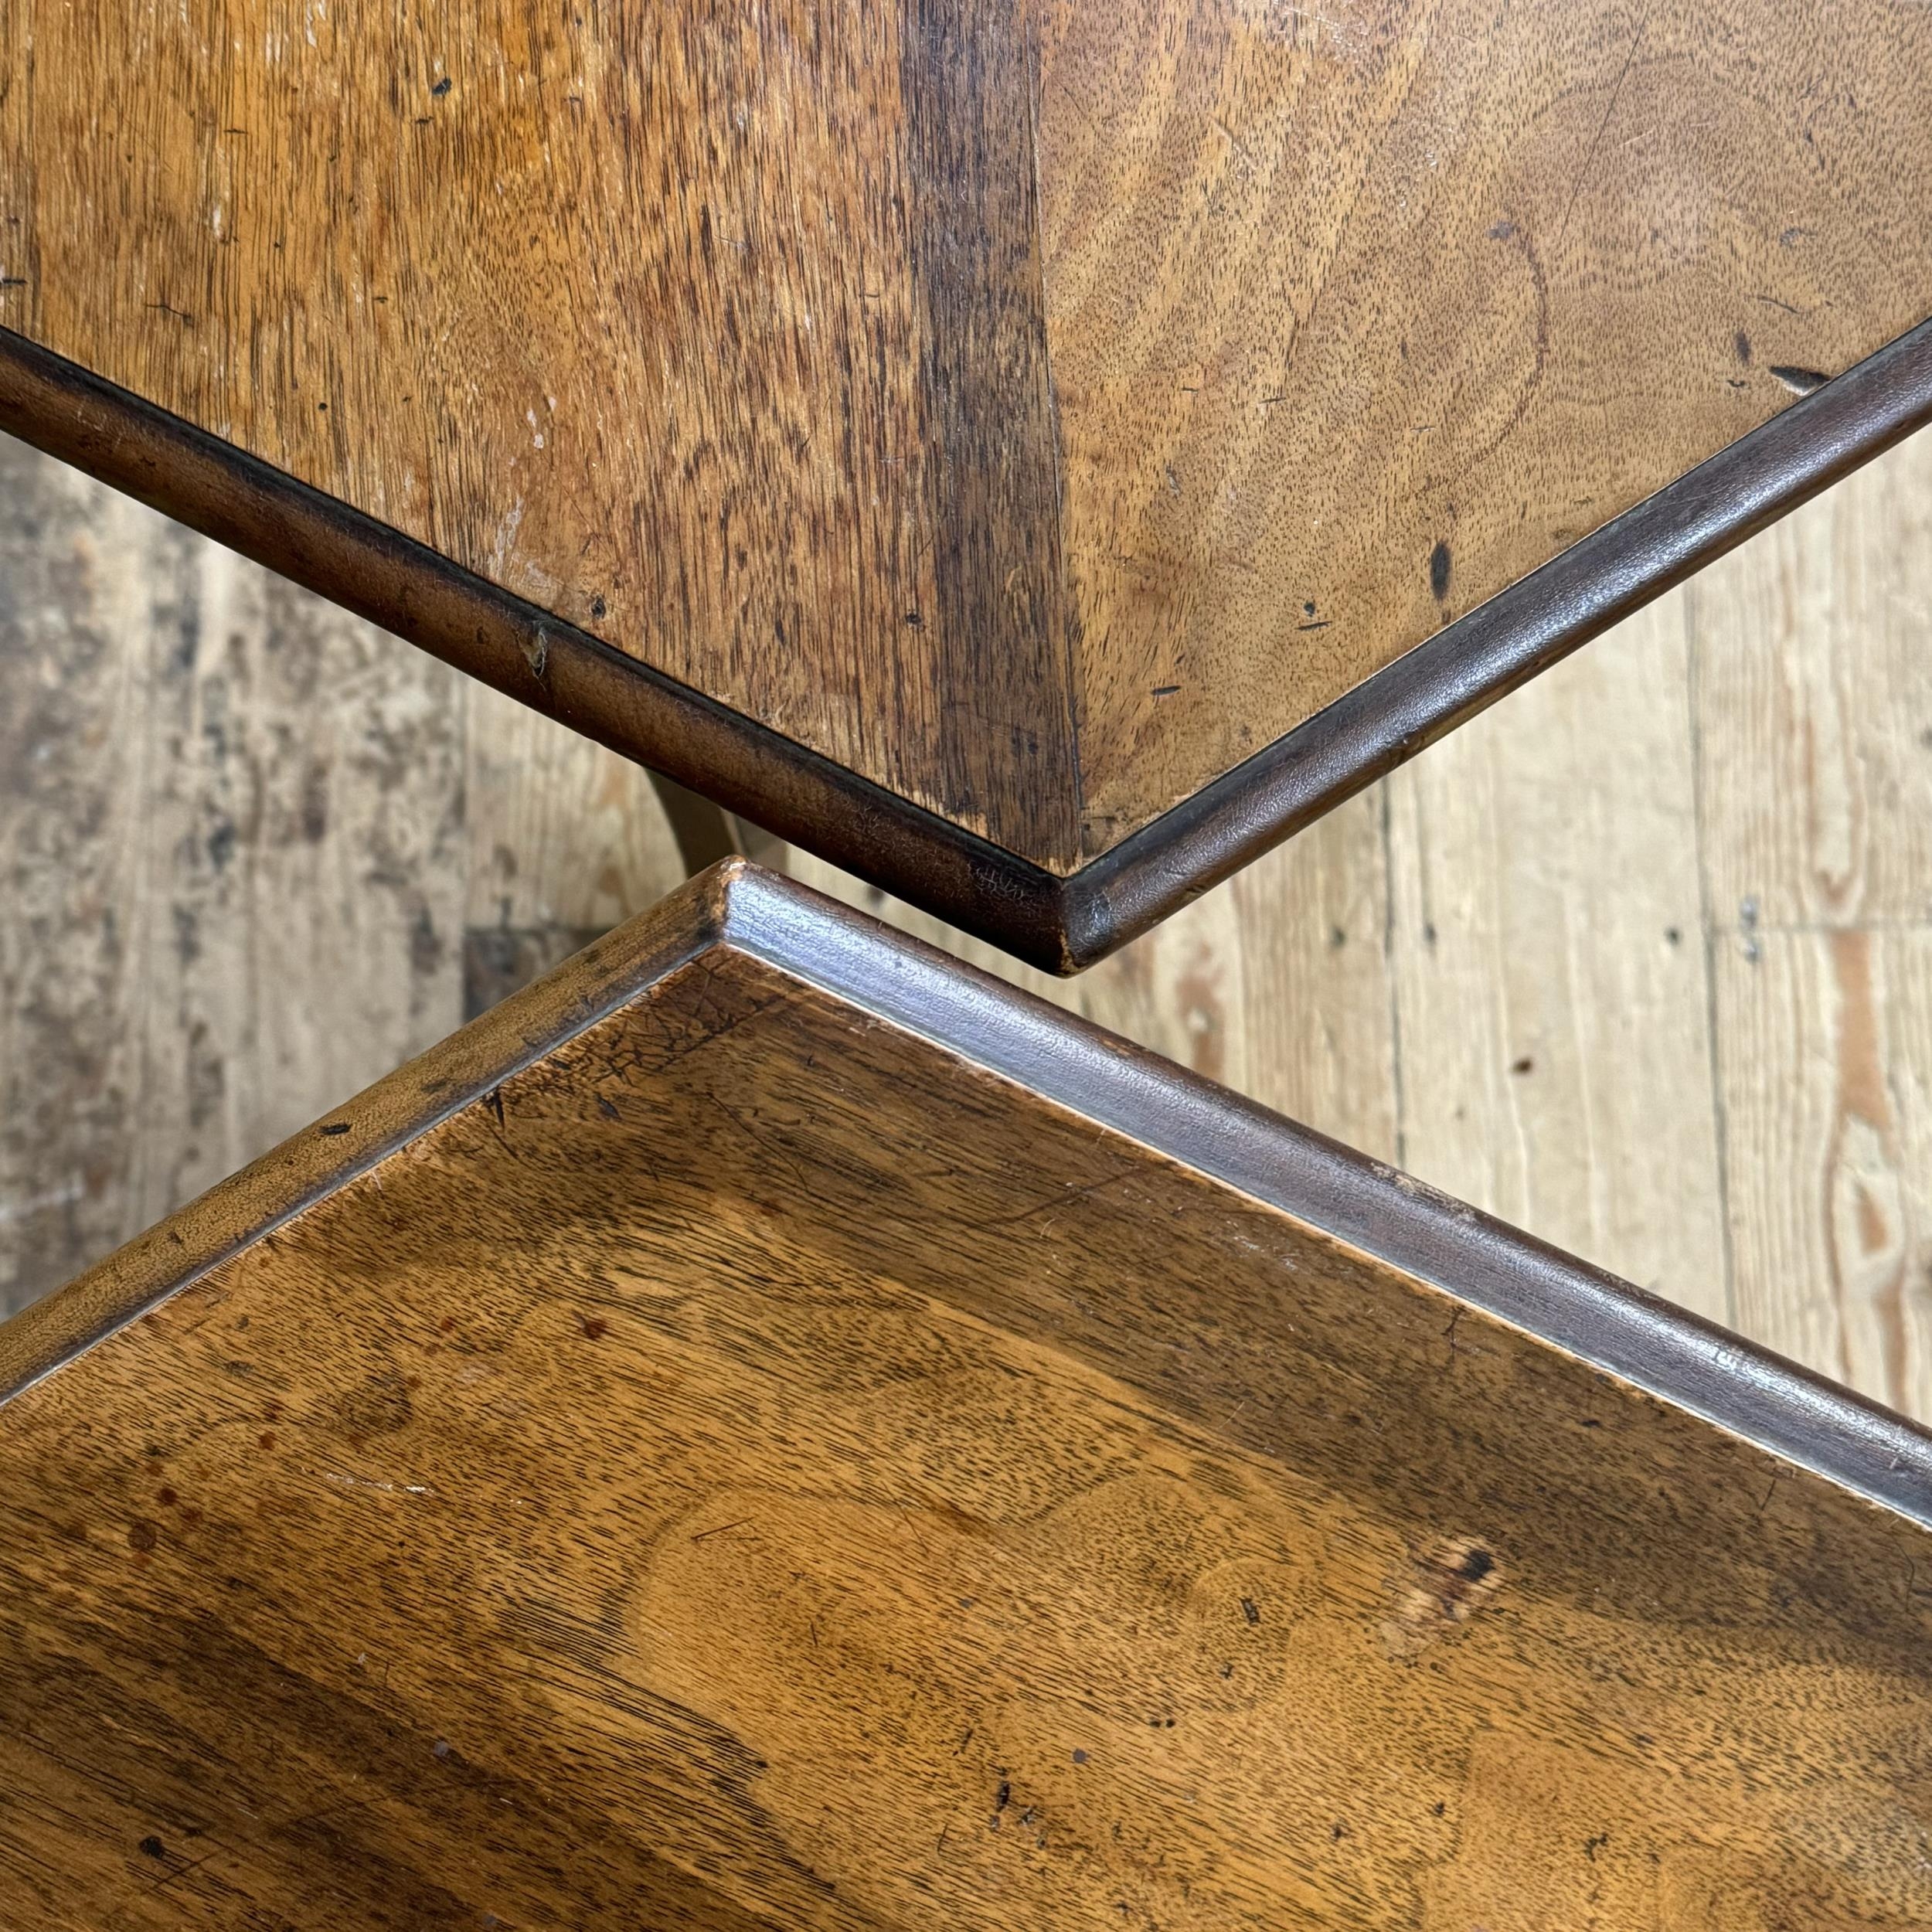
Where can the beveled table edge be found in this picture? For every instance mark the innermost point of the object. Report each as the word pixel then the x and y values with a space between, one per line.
pixel 1487 652
pixel 265 1195
pixel 1061 924
pixel 1469 1257
pixel 372 569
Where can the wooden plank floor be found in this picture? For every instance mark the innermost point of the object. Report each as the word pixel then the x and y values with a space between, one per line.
pixel 1641 959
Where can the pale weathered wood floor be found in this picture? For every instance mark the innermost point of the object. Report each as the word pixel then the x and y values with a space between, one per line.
pixel 1642 959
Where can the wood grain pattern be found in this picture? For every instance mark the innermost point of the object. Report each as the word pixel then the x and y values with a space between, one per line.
pixel 1652 917
pixel 1530 826
pixel 608 1502
pixel 1828 1103
pixel 1035 411
pixel 1358 314
pixel 229 817
pixel 74 650
pixel 1592 878
pixel 1815 710
pixel 1814 705
pixel 1547 930
pixel 558 841
pixel 713 331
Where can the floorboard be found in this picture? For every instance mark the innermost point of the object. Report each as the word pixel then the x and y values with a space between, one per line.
pixel 1640 959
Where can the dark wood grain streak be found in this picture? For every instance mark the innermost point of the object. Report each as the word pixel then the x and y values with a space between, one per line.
pixel 682 322
pixel 1000 642
pixel 769 1429
pixel 1060 925
pixel 1035 410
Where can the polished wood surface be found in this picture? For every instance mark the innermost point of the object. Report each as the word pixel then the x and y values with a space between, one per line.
pixel 1710 834
pixel 736 1438
pixel 1358 314
pixel 1036 412
pixel 713 330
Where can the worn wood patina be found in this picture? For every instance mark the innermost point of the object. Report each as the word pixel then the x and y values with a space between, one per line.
pixel 768 1428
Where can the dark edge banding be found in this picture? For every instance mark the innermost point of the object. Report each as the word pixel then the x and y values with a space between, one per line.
pixel 1689 1363
pixel 392 579
pixel 1061 925
pixel 1484 655
pixel 349 1142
